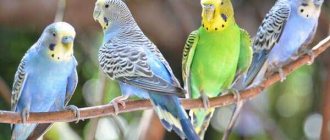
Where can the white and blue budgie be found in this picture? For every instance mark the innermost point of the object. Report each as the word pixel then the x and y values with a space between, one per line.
pixel 129 57
pixel 45 79
pixel 285 31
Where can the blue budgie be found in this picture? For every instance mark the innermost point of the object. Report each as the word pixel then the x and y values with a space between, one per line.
pixel 283 35
pixel 286 30
pixel 129 57
pixel 45 79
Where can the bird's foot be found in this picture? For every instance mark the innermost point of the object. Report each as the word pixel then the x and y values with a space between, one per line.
pixel 235 92
pixel 119 100
pixel 311 54
pixel 206 101
pixel 75 110
pixel 294 57
pixel 282 74
pixel 25 114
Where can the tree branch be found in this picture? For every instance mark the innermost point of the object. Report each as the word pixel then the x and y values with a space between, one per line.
pixel 105 110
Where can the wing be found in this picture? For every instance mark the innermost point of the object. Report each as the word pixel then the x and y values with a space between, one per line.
pixel 246 52
pixel 187 57
pixel 308 41
pixel 244 61
pixel 128 64
pixel 72 83
pixel 19 83
pixel 153 49
pixel 267 36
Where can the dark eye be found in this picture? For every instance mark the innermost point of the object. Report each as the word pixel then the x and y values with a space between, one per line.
pixel 54 34
pixel 221 3
pixel 106 6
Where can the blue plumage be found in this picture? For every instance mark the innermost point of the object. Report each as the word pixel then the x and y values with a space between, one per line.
pixel 46 77
pixel 129 57
pixel 284 33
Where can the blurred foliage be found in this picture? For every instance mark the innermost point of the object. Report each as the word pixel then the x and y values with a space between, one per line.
pixel 288 110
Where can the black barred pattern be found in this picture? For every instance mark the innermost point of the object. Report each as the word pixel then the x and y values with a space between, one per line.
pixel 272 26
pixel 267 36
pixel 120 16
pixel 190 41
pixel 18 84
pixel 124 58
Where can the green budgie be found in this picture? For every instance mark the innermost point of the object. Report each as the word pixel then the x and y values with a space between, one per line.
pixel 213 56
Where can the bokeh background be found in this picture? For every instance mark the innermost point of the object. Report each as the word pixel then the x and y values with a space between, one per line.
pixel 298 108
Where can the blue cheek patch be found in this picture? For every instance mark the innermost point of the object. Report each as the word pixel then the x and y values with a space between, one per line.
pixel 224 17
pixel 52 47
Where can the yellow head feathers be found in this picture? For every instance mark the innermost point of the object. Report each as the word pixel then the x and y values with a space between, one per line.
pixel 98 13
pixel 59 39
pixel 216 14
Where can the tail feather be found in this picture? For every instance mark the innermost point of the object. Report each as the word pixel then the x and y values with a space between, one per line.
pixel 201 118
pixel 173 116
pixel 40 130
pixel 258 62
pixel 22 131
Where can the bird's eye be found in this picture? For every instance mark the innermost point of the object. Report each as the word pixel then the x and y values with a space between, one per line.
pixel 106 6
pixel 54 34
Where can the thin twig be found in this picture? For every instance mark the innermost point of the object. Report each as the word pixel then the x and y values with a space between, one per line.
pixel 60 10
pixel 105 110
pixel 95 121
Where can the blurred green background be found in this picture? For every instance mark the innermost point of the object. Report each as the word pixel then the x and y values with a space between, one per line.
pixel 298 108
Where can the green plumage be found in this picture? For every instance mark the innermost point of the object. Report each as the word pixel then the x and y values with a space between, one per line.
pixel 214 63
pixel 211 61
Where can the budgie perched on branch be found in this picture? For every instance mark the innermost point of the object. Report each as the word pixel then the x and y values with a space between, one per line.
pixel 129 57
pixel 213 56
pixel 284 33
pixel 45 79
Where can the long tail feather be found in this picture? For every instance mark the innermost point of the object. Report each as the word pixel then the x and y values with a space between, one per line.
pixel 201 119
pixel 173 116
pixel 257 64
pixel 22 131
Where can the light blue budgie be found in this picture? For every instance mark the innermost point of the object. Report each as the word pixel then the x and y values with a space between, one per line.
pixel 283 35
pixel 129 57
pixel 285 31
pixel 45 79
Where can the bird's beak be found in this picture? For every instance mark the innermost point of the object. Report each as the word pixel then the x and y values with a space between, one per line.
pixel 208 11
pixel 96 14
pixel 67 40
